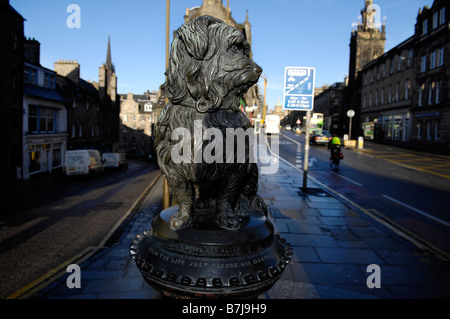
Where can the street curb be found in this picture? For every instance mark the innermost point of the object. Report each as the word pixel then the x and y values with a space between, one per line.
pixel 55 273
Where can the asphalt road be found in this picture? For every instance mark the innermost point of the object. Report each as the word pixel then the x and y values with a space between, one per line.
pixel 47 226
pixel 410 199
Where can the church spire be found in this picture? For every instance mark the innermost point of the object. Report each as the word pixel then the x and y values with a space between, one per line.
pixel 108 63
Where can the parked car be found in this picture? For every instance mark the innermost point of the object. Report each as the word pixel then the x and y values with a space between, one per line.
pixel 288 127
pixel 115 160
pixel 83 162
pixel 321 139
pixel 298 130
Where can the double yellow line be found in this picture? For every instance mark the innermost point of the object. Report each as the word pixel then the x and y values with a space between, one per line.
pixel 46 279
pixel 401 162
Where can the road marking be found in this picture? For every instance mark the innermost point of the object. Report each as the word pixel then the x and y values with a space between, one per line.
pixel 347 179
pixel 376 154
pixel 297 142
pixel 417 210
pixel 415 239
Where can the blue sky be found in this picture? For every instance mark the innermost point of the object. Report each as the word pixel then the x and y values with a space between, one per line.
pixel 307 33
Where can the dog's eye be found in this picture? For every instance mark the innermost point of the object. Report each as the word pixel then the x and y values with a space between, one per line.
pixel 235 47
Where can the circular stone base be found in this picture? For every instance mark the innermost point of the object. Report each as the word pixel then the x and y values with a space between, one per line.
pixel 205 261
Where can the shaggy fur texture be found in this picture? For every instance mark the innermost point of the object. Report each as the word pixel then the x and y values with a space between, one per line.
pixel 209 71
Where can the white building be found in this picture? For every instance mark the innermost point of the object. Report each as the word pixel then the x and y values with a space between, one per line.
pixel 44 122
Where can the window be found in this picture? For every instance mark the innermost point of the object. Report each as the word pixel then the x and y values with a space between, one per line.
pixel 438 86
pixel 433 60
pixel 34 154
pixel 80 130
pixel 41 119
pixel 397 92
pixel 423 64
pixel 421 91
pixel 435 19
pixel 419 129
pixel 26 75
pixel 376 98
pixel 410 57
pixel 32 119
pixel 47 120
pixel 49 81
pixel 33 76
pixel 430 93
pixel 392 67
pixel 440 60
pixel 407 88
pixel 442 16
pixel 425 27
pixel 429 136
pixel 148 107
pixel 92 130
pixel 382 96
pixel 390 94
pixel 437 130
pixel 74 130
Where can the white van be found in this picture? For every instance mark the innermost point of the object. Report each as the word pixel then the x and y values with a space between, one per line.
pixel 83 162
pixel 115 160
pixel 272 124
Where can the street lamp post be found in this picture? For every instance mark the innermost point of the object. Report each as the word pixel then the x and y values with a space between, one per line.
pixel 166 189
pixel 264 101
pixel 350 114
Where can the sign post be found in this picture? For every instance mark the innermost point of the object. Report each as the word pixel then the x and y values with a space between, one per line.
pixel 299 96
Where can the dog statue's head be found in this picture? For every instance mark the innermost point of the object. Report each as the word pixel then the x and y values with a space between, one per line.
pixel 209 66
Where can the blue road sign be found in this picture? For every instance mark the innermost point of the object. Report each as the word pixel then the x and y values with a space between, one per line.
pixel 299 88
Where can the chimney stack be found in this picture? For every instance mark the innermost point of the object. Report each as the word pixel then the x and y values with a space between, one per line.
pixel 68 68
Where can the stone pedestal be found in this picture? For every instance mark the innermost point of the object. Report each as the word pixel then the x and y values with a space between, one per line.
pixel 206 261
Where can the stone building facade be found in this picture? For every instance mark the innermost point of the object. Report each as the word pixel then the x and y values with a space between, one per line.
pixel 138 117
pixel 367 42
pixel 330 102
pixel 430 109
pixel 11 94
pixel 405 92
pixel 83 107
pixel 93 107
pixel 387 93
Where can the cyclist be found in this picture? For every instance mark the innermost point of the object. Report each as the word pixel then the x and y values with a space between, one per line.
pixel 334 144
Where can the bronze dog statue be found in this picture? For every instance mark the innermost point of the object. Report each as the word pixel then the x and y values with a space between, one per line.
pixel 209 71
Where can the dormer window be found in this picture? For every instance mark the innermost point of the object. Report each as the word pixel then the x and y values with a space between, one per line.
pixel 425 27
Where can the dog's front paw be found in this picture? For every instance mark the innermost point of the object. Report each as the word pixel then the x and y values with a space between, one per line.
pixel 179 220
pixel 227 219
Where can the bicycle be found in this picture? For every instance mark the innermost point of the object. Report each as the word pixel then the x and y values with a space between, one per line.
pixel 335 157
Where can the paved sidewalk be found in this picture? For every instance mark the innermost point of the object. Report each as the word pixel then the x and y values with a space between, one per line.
pixel 333 246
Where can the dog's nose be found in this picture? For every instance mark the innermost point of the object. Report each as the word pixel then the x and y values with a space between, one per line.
pixel 258 69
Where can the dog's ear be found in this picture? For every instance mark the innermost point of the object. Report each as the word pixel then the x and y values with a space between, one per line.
pixel 195 36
